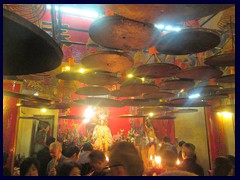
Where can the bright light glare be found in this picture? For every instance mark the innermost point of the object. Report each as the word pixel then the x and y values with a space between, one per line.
pixel 178 162
pixel 81 70
pixel 182 90
pixel 86 120
pixel 44 110
pixel 75 11
pixel 89 112
pixel 107 159
pixel 176 29
pixel 169 28
pixel 227 114
pixel 159 26
pixel 36 94
pixel 130 75
pixel 158 159
pixel 194 96
pixel 151 114
pixel 67 68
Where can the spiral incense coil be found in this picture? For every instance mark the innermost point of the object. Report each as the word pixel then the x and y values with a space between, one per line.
pixel 31 12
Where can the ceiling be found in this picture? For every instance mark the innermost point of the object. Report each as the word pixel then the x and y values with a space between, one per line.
pixel 165 64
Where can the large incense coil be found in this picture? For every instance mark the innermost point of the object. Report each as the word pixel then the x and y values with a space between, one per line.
pixel 186 102
pixel 69 76
pixel 92 91
pixel 27 49
pixel 124 34
pixel 163 118
pixel 107 61
pixel 205 90
pixel 132 116
pixel 200 73
pixel 188 41
pixel 176 84
pixel 226 91
pixel 26 97
pixel 136 89
pixel 34 104
pixel 188 110
pixel 166 13
pixel 31 12
pixel 153 109
pixel 92 78
pixel 159 95
pixel 156 70
pixel 143 102
pixel 226 79
pixel 227 59
pixel 101 102
pixel 214 97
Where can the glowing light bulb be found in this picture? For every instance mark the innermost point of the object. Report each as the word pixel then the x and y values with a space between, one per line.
pixel 44 110
pixel 227 114
pixel 151 114
pixel 107 159
pixel 81 70
pixel 67 68
pixel 178 162
pixel 89 112
pixel 130 75
pixel 36 94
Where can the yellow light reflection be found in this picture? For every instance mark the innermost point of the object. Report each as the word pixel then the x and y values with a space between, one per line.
pixel 225 114
pixel 151 114
pixel 130 75
pixel 81 70
pixel 44 110
pixel 67 68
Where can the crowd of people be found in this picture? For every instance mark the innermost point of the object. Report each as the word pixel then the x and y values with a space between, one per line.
pixel 124 160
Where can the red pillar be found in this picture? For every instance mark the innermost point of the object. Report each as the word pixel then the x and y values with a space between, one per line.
pixel 10 120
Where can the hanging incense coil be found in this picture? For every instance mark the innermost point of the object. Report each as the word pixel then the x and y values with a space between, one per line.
pixel 144 102
pixel 226 79
pixel 31 12
pixel 166 13
pixel 101 102
pixel 186 102
pixel 200 73
pixel 156 70
pixel 92 91
pixel 227 59
pixel 188 41
pixel 159 95
pixel 117 32
pixel 176 84
pixel 107 61
pixel 27 49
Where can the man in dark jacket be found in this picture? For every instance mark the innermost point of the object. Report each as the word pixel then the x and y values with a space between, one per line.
pixel 44 157
pixel 189 160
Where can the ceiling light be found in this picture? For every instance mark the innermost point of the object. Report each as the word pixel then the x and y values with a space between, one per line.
pixel 168 28
pixel 192 96
pixel 130 75
pixel 36 94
